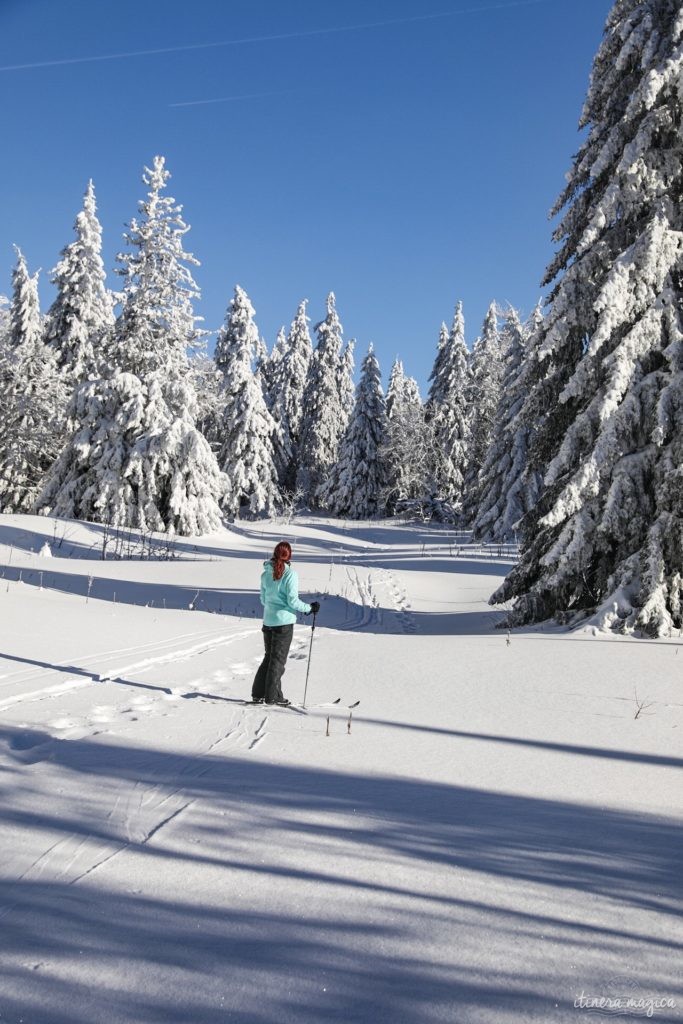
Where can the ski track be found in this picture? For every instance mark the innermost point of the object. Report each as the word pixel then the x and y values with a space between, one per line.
pixel 26 675
pixel 371 611
pixel 119 672
pixel 136 815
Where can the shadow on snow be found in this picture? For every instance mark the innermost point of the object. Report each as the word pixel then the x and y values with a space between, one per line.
pixel 178 958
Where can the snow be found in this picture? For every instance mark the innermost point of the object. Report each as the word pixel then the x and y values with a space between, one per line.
pixel 497 833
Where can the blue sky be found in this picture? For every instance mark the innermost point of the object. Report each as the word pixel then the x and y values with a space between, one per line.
pixel 404 163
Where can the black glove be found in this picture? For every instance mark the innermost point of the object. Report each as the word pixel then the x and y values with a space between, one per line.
pixel 315 607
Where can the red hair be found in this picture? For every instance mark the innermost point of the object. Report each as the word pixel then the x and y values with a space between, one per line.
pixel 280 559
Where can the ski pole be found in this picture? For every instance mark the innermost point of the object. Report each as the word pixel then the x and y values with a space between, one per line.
pixel 308 667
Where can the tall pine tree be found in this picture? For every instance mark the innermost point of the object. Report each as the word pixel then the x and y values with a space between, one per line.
pixel 446 414
pixel 83 309
pixel 395 389
pixel 325 416
pixel 247 429
pixel 157 323
pixel 32 396
pixel 485 376
pixel 357 483
pixel 406 451
pixel 290 373
pixel 508 488
pixel 608 528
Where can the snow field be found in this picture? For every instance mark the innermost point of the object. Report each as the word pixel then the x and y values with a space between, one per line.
pixel 497 833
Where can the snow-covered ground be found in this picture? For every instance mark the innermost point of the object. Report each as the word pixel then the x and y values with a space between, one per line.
pixel 495 835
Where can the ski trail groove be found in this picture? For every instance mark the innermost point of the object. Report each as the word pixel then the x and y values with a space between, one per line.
pixel 27 675
pixel 111 675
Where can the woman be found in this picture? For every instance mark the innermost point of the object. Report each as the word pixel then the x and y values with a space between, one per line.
pixel 280 600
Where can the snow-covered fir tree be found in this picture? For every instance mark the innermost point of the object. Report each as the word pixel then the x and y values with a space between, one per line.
pixel 357 482
pixel 409 451
pixel 239 332
pixel 25 321
pixel 508 487
pixel 206 382
pixel 135 457
pixel 347 390
pixel 247 428
pixel 157 324
pixel 268 366
pixel 32 397
pixel 485 366
pixel 395 388
pixel 83 309
pixel 262 368
pixel 447 414
pixel 133 461
pixel 608 528
pixel 439 377
pixel 325 416
pixel 290 373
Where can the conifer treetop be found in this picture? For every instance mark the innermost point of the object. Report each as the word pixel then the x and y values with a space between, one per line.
pixel 25 326
pixel 157 324
pixel 83 308
pixel 238 340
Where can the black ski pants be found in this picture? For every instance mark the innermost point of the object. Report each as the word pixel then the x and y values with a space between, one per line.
pixel 277 641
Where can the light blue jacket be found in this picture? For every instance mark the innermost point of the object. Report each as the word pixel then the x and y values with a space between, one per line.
pixel 280 598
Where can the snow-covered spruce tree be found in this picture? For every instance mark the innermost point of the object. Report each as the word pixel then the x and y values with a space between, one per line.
pixel 206 382
pixel 447 415
pixel 508 487
pixel 395 388
pixel 290 373
pixel 157 324
pixel 134 461
pixel 268 365
pixel 135 457
pixel 239 332
pixel 32 398
pixel 262 368
pixel 25 322
pixel 347 390
pixel 247 428
pixel 409 451
pixel 485 367
pixel 608 528
pixel 324 418
pixel 83 309
pixel 357 482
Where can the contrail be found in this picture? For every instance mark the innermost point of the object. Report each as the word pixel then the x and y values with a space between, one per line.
pixel 229 99
pixel 273 38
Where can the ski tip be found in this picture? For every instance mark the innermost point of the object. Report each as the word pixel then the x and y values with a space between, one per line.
pixel 337 700
pixel 355 705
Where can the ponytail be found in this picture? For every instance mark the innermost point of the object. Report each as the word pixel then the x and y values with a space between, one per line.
pixel 280 559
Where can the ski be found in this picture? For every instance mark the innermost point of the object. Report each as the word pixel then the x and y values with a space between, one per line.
pixel 300 708
pixel 274 707
pixel 332 704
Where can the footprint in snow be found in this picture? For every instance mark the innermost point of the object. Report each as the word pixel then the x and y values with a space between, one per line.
pixel 60 724
pixel 31 746
pixel 101 714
